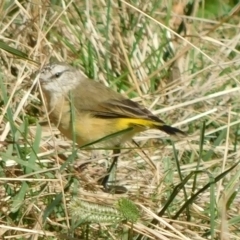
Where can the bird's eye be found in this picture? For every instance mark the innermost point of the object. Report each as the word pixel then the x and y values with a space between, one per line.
pixel 57 75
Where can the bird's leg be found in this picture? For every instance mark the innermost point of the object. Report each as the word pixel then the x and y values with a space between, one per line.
pixel 113 188
pixel 113 164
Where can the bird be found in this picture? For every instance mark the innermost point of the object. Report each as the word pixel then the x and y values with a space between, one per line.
pixel 93 114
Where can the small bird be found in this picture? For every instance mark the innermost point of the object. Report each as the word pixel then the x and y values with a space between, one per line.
pixel 93 114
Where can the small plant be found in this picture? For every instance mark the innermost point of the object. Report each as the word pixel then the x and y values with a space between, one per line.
pixel 87 212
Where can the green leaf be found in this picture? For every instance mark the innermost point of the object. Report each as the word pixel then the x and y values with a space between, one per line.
pixel 14 51
pixel 18 200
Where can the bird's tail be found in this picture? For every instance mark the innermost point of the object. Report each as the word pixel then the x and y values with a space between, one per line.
pixel 170 130
pixel 124 123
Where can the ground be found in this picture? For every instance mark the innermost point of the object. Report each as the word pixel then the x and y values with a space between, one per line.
pixel 181 61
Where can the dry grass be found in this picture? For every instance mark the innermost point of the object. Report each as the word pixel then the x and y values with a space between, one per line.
pixel 189 78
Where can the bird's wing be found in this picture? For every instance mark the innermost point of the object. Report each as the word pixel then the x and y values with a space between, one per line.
pixel 103 102
pixel 125 108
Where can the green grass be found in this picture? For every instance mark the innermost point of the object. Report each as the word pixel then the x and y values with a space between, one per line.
pixel 187 74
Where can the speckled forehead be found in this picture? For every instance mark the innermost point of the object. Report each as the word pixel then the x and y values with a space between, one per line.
pixel 47 68
pixel 53 68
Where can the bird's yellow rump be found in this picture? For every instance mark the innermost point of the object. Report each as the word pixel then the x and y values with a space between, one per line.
pixel 88 111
